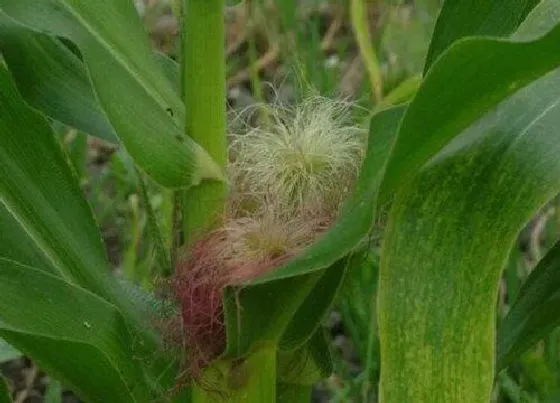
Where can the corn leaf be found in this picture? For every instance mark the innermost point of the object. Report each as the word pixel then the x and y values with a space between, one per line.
pixel 534 313
pixel 448 237
pixel 291 393
pixel 307 364
pixel 313 309
pixel 40 191
pixel 7 352
pixel 15 244
pixel 170 69
pixel 53 392
pixel 71 333
pixel 250 321
pixel 462 18
pixel 298 370
pixel 471 77
pixel 141 105
pixel 52 79
pixel 4 392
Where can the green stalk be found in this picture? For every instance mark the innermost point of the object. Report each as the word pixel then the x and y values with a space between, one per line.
pixel 358 11
pixel 204 93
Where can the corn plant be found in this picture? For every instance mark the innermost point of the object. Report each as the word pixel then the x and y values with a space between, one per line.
pixel 267 224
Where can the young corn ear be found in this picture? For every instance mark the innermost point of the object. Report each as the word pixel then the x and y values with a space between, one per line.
pixel 289 178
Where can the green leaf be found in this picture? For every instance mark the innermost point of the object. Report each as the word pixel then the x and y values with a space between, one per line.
pixel 317 304
pixel 541 19
pixel 52 79
pixel 298 370
pixel 53 392
pixel 471 77
pixel 161 254
pixel 307 364
pixel 7 352
pixel 448 237
pixel 71 333
pixel 15 244
pixel 356 303
pixel 534 313
pixel 39 189
pixel 4 392
pixel 403 93
pixel 290 393
pixel 144 110
pixel 462 18
pixel 170 69
pixel 262 311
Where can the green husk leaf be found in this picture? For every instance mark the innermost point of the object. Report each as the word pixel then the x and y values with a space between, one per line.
pixel 307 364
pixel 291 393
pixel 53 392
pixel 250 321
pixel 4 392
pixel 314 308
pixel 7 352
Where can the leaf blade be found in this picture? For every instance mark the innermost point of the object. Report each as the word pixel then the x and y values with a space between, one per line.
pixel 4 392
pixel 460 18
pixel 144 110
pixel 7 352
pixel 43 316
pixel 52 79
pixel 534 313
pixel 45 198
pixel 438 113
pixel 449 235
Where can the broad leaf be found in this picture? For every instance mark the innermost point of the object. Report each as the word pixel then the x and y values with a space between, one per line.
pixel 71 333
pixel 53 392
pixel 319 301
pixel 291 393
pixel 7 352
pixel 4 392
pixel 248 320
pixel 462 18
pixel 161 254
pixel 448 237
pixel 472 76
pixel 52 79
pixel 38 188
pixel 307 364
pixel 15 244
pixel 541 19
pixel 315 307
pixel 297 371
pixel 170 69
pixel 144 110
pixel 535 311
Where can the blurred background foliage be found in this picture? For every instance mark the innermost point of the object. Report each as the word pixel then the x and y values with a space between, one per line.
pixel 283 50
